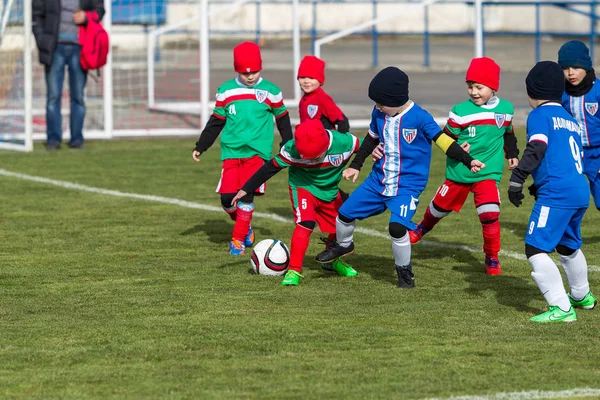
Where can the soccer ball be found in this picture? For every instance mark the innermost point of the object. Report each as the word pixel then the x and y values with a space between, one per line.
pixel 270 257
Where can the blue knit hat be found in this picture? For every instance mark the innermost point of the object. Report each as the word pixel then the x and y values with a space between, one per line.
pixel 574 54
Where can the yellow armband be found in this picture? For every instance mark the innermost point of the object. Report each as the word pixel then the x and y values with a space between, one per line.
pixel 444 142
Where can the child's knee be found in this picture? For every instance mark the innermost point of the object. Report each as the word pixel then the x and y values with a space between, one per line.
pixel 397 230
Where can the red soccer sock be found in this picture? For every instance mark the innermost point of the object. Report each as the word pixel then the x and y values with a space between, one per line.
pixel 331 237
pixel 491 234
pixel 242 221
pixel 429 220
pixel 232 212
pixel 300 239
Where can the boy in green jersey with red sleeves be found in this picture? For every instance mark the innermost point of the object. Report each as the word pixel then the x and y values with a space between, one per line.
pixel 482 125
pixel 243 116
pixel 316 159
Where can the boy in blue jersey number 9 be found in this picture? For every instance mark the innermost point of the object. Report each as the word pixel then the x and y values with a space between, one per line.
pixel 398 178
pixel 554 159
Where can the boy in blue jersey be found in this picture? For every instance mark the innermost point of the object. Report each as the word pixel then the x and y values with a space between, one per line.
pixel 581 99
pixel 554 159
pixel 398 178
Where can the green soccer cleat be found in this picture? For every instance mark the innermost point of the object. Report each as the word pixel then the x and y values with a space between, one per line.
pixel 343 268
pixel 555 314
pixel 587 303
pixel 291 278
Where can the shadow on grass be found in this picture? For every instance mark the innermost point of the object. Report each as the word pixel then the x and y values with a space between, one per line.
pixel 219 230
pixel 517 228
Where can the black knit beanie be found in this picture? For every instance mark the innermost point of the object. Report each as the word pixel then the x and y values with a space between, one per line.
pixel 545 81
pixel 389 87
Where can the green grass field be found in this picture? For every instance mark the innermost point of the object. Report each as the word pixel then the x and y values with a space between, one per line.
pixel 116 297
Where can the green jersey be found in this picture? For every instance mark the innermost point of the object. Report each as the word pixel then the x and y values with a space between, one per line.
pixel 319 176
pixel 483 127
pixel 248 113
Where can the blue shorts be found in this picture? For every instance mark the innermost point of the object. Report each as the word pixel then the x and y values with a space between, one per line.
pixel 367 201
pixel 551 226
pixel 591 165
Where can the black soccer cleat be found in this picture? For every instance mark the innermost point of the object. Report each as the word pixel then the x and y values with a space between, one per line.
pixel 406 278
pixel 333 252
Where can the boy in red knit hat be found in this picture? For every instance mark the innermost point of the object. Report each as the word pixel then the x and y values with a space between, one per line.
pixel 482 125
pixel 243 116
pixel 316 158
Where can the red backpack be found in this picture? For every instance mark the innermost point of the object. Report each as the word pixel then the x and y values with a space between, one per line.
pixel 94 43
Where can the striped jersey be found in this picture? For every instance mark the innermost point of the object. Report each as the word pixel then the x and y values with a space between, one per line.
pixel 483 127
pixel 406 139
pixel 559 176
pixel 319 176
pixel 248 112
pixel 585 110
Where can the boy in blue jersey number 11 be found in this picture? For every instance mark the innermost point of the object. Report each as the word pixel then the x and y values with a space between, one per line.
pixel 398 178
pixel 554 159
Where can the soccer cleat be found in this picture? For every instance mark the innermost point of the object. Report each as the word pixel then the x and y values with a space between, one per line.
pixel 555 314
pixel 418 233
pixel 249 240
pixel 335 251
pixel 406 278
pixel 343 268
pixel 327 266
pixel 291 278
pixel 236 248
pixel 587 303
pixel 492 266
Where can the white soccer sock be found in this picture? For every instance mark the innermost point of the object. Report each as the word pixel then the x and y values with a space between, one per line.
pixel 547 276
pixel 344 232
pixel 401 249
pixel 576 270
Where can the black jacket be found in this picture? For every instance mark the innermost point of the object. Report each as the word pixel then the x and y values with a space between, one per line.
pixel 46 22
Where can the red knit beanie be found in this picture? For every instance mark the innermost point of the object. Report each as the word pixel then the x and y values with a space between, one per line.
pixel 484 70
pixel 246 57
pixel 312 67
pixel 311 139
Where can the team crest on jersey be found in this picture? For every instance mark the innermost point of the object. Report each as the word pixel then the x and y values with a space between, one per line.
pixel 409 135
pixel 312 110
pixel 500 118
pixel 336 159
pixel 261 95
pixel 591 108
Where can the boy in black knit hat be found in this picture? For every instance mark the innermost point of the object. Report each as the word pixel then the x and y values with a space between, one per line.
pixel 398 178
pixel 553 157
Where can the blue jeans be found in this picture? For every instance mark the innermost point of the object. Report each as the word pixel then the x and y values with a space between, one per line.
pixel 66 54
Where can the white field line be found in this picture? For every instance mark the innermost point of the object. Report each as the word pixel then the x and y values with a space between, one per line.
pixel 534 394
pixel 274 217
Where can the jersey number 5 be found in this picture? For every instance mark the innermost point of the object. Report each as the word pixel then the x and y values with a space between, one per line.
pixel 576 153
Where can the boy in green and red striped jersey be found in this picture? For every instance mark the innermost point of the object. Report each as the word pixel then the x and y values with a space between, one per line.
pixel 316 158
pixel 243 115
pixel 482 125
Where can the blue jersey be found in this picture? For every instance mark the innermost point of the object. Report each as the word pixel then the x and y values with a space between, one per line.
pixel 406 140
pixel 559 176
pixel 585 110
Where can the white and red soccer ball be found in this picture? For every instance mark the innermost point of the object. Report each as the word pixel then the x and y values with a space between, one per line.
pixel 270 257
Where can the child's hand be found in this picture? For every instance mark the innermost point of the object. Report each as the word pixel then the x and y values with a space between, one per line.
pixel 195 155
pixel 350 174
pixel 237 197
pixel 377 152
pixel 477 166
pixel 466 146
pixel 512 163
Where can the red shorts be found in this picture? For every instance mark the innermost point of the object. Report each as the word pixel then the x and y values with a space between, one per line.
pixel 452 195
pixel 236 171
pixel 308 208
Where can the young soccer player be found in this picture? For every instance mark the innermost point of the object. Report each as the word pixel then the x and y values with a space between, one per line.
pixel 484 124
pixel 399 177
pixel 553 157
pixel 316 158
pixel 581 99
pixel 315 103
pixel 243 115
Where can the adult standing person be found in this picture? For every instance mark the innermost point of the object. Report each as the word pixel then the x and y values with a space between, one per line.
pixel 56 29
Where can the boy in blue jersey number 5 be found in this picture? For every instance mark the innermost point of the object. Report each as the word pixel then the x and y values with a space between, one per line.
pixel 554 159
pixel 398 178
